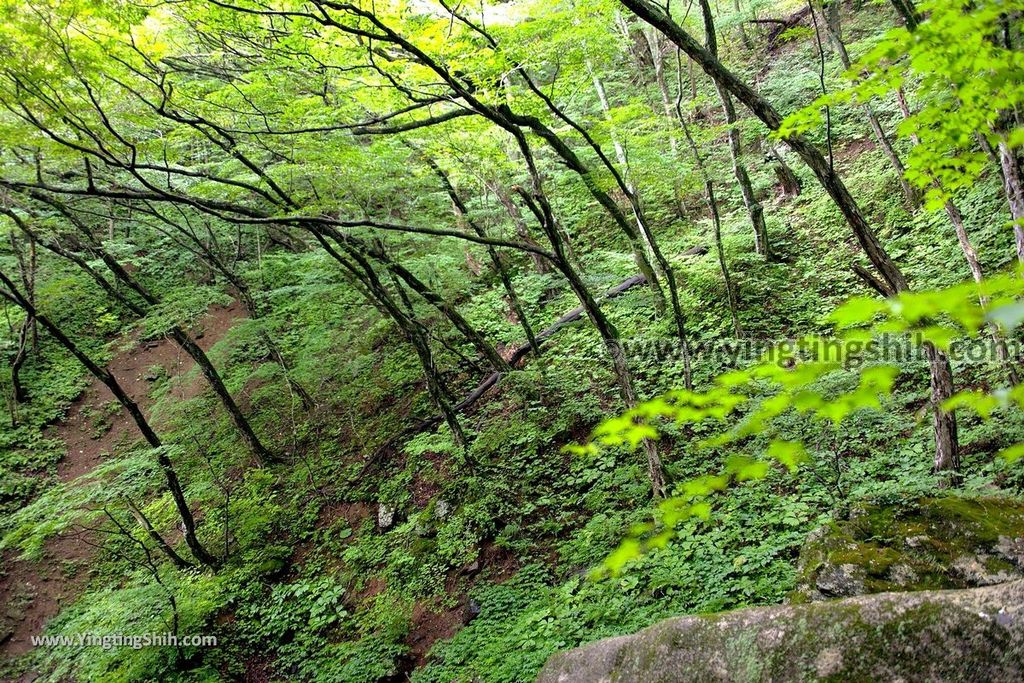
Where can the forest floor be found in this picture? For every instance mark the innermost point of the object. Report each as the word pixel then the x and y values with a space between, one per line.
pixel 33 591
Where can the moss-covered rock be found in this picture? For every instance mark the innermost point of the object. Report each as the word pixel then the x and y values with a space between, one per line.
pixel 929 544
pixel 967 635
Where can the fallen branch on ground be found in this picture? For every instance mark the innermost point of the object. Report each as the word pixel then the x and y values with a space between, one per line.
pixel 518 355
pixel 780 26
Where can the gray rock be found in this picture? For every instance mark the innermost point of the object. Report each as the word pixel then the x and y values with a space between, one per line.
pixel 923 544
pixel 973 570
pixel 903 575
pixel 960 635
pixel 913 542
pixel 385 516
pixel 1012 549
pixel 842 580
pixel 470 611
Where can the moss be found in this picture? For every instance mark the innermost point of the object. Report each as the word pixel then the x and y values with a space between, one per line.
pixel 996 565
pixel 423 547
pixel 986 519
pixel 798 597
pixel 874 559
pixel 943 636
pixel 914 546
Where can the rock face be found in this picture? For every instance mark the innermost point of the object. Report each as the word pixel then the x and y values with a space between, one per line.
pixel 974 632
pixel 929 544
pixel 958 635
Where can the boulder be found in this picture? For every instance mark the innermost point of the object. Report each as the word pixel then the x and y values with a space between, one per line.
pixel 385 516
pixel 958 635
pixel 926 544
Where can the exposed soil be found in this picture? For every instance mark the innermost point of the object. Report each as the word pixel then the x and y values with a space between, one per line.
pixel 499 564
pixel 426 485
pixel 847 154
pixel 353 513
pixel 430 623
pixel 31 592
pixel 258 670
pixel 375 585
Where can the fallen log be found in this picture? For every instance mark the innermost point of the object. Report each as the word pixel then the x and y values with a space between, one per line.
pixel 780 26
pixel 492 380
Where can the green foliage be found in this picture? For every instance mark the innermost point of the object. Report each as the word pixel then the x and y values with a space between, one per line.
pixel 794 373
pixel 966 80
pixel 251 110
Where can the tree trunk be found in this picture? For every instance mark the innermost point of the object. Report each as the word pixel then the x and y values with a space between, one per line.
pixel 461 212
pixel 436 387
pixel 947 451
pixel 20 393
pixel 609 335
pixel 1014 194
pixel 754 209
pixel 912 196
pixel 182 338
pixel 636 240
pixel 744 38
pixel 651 38
pixel 907 12
pixel 176 559
pixel 894 280
pixel 761 108
pixel 540 264
pixel 305 397
pixel 830 15
pixel 483 347
pixel 730 290
pixel 974 264
pixel 514 301
pixel 27 272
pixel 970 255
pixel 990 152
pixel 259 452
pixel 665 267
pixel 256 313
pixel 620 155
pixel 361 269
pixel 108 380
pixel 787 179
pixel 716 224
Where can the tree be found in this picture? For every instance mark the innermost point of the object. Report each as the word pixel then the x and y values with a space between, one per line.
pixel 893 280
pixel 12 294
pixel 754 208
pixel 832 20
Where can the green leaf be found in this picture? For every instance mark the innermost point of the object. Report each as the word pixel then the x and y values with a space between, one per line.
pixel 745 468
pixel 791 454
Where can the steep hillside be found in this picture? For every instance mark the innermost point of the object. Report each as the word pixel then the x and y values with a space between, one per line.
pixel 425 340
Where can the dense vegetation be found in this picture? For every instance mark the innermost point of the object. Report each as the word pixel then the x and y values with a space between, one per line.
pixel 464 236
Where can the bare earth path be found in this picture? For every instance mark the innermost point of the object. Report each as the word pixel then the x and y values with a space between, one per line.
pixel 31 592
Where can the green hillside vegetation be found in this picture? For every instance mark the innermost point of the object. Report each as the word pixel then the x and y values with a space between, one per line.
pixel 457 315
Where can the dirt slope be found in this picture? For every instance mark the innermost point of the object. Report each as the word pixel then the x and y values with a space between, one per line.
pixel 31 592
